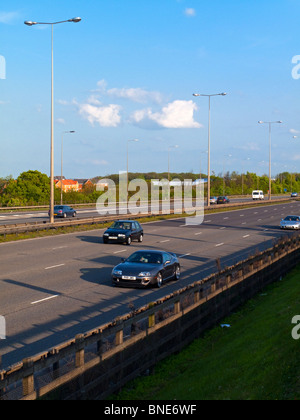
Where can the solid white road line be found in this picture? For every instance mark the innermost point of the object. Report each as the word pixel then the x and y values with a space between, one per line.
pixel 44 300
pixel 54 266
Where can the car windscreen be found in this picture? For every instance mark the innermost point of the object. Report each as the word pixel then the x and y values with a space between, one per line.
pixel 292 219
pixel 121 225
pixel 145 258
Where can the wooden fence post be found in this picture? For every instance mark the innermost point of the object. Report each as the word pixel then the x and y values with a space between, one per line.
pixel 151 320
pixel 79 344
pixel 177 307
pixel 28 380
pixel 119 337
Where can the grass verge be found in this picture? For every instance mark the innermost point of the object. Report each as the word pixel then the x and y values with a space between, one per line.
pixel 256 358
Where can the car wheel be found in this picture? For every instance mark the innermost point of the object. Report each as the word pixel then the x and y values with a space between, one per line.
pixel 141 238
pixel 128 240
pixel 177 273
pixel 105 241
pixel 159 280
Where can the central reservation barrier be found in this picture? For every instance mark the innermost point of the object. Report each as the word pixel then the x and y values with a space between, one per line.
pixel 102 361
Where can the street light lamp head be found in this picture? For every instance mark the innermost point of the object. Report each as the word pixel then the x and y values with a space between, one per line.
pixel 29 23
pixel 196 94
pixel 260 122
pixel 75 20
pixel 224 94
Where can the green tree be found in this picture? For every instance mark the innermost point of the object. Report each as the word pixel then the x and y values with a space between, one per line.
pixel 30 188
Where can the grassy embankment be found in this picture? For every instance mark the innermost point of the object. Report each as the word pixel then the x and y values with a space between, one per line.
pixel 256 358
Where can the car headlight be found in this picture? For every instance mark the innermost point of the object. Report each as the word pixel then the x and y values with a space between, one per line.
pixel 105 234
pixel 117 272
pixel 121 235
pixel 144 274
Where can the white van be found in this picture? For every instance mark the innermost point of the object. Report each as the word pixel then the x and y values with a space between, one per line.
pixel 258 195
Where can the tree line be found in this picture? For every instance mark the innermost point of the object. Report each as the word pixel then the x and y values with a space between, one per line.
pixel 32 188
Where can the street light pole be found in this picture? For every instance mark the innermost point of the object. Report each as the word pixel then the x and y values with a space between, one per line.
pixel 31 23
pixel 208 169
pixel 270 153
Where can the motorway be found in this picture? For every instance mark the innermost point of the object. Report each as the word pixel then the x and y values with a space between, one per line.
pixel 53 288
pixel 32 216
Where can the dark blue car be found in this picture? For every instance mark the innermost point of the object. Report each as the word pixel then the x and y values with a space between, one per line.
pixel 64 211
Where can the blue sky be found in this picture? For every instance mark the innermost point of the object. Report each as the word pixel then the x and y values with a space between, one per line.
pixel 128 71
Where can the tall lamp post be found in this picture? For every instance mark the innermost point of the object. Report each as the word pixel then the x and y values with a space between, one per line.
pixel 31 23
pixel 61 178
pixel 270 153
pixel 208 169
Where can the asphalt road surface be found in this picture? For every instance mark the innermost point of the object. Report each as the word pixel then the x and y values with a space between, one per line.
pixel 56 287
pixel 15 217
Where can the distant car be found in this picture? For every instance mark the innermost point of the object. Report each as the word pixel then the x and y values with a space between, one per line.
pixel 213 200
pixel 290 222
pixel 223 200
pixel 258 195
pixel 146 268
pixel 294 195
pixel 63 211
pixel 124 231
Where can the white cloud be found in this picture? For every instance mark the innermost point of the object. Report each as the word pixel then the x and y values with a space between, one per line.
pixel 293 131
pixel 250 146
pixel 190 12
pixel 63 102
pixel 138 95
pixel 105 116
pixel 93 100
pixel 8 17
pixel 177 114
